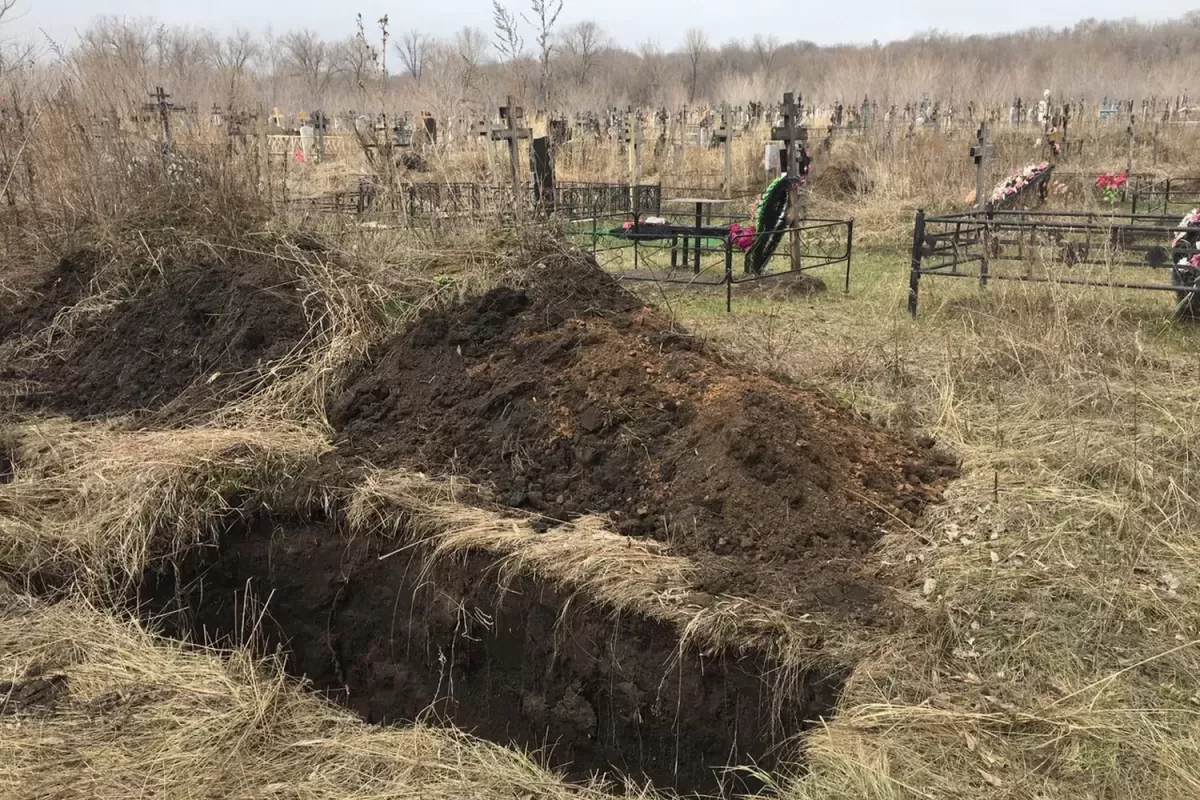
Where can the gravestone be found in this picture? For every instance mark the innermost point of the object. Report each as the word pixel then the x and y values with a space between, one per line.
pixel 308 141
pixel 541 166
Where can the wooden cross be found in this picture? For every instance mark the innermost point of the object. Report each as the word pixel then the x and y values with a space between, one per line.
pixel 790 133
pixel 510 113
pixel 162 102
pixel 981 151
pixel 633 137
pixel 1129 135
pixel 724 134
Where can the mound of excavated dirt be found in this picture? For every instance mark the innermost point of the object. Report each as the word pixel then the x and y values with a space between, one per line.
pixel 32 303
pixel 197 333
pixel 568 396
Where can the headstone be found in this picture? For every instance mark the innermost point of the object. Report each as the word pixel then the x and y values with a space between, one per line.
pixel 541 166
pixel 308 141
pixel 365 129
pixel 771 161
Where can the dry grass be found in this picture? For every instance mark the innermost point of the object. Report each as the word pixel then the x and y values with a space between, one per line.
pixel 1059 648
pixel 146 717
pixel 93 505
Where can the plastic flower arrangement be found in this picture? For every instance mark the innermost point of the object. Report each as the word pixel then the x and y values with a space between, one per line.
pixel 1014 185
pixel 1185 239
pixel 1113 186
pixel 742 236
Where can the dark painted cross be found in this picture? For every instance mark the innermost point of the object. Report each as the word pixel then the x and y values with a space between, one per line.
pixel 510 113
pixel 790 133
pixel 162 104
pixel 981 151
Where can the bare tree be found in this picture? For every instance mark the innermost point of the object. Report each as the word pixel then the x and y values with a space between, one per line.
pixel 356 62
pixel 545 14
pixel 583 42
pixel 310 59
pixel 470 45
pixel 232 58
pixel 695 44
pixel 765 49
pixel 413 49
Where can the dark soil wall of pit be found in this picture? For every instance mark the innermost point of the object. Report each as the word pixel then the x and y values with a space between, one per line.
pixel 392 642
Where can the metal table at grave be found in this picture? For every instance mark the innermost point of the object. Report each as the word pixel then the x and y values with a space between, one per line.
pixel 700 204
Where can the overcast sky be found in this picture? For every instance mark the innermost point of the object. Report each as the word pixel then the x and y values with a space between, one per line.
pixel 628 21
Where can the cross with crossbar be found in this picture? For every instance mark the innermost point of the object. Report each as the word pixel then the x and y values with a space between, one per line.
pixel 981 151
pixel 790 133
pixel 510 113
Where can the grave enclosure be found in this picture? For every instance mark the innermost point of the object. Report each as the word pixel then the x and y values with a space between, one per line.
pixel 1115 249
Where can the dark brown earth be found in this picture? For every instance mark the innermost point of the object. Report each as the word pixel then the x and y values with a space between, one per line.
pixel 397 639
pixel 198 333
pixel 32 304
pixel 568 396
pixel 32 694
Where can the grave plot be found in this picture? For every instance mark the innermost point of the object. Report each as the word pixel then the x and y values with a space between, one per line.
pixel 1112 250
pixel 995 242
pixel 693 239
pixel 1167 196
pixel 545 513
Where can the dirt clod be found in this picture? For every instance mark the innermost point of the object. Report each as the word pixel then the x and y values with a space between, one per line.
pixel 32 694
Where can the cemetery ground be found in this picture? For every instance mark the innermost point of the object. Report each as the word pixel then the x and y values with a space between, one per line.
pixel 203 440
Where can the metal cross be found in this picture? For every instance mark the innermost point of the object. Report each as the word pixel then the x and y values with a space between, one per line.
pixel 981 152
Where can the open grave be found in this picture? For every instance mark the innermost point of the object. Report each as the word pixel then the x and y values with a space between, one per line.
pixel 547 515
pixel 399 637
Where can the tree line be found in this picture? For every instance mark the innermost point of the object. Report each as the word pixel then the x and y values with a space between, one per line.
pixel 532 54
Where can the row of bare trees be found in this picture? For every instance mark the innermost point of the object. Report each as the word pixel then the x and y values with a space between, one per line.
pixel 579 66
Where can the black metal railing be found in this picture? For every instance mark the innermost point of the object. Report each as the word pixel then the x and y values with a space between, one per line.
pixel 1101 249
